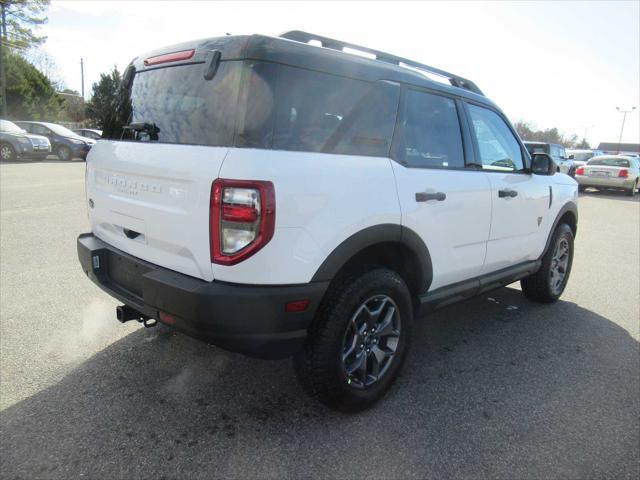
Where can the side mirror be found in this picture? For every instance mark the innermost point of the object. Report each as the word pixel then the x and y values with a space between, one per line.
pixel 570 157
pixel 542 164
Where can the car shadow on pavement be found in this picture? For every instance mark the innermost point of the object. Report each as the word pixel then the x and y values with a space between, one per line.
pixel 609 194
pixel 494 387
pixel 49 159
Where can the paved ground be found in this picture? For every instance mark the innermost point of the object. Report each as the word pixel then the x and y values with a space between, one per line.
pixel 489 390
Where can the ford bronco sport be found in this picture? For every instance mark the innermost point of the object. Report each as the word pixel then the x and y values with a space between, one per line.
pixel 282 197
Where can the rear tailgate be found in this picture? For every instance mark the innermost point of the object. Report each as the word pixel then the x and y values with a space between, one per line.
pixel 152 201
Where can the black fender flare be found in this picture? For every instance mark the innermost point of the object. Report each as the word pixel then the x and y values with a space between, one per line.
pixel 567 207
pixel 383 233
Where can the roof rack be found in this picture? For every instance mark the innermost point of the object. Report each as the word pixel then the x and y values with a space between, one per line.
pixel 455 80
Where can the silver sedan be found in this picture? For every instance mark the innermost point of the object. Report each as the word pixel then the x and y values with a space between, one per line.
pixel 609 171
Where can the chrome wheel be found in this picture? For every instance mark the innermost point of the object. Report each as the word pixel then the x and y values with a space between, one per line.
pixel 559 265
pixel 6 152
pixel 64 153
pixel 371 341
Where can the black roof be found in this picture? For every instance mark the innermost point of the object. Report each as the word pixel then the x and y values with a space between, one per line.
pixel 328 59
pixel 619 147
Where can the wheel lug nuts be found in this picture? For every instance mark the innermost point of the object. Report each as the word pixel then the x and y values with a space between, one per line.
pixel 361 347
pixel 368 350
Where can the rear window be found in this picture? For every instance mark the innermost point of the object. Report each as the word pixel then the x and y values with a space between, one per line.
pixel 280 108
pixel 290 108
pixel 609 162
pixel 180 105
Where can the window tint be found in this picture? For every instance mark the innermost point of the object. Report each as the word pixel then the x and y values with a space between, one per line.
pixel 499 149
pixel 610 162
pixel 295 109
pixel 430 135
pixel 185 108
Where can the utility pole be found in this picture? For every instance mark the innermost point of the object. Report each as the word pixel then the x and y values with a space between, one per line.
pixel 82 77
pixel 624 117
pixel 3 80
pixel 586 129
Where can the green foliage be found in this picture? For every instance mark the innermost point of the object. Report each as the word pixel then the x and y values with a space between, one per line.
pixel 21 17
pixel 103 98
pixel 551 135
pixel 30 95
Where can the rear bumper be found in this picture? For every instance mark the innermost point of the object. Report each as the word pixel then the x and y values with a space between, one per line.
pixel 242 318
pixel 605 182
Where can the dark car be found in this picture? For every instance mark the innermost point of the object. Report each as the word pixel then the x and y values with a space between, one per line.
pixel 556 152
pixel 91 133
pixel 64 143
pixel 16 142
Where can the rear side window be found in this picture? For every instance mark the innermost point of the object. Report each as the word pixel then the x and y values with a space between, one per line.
pixel 499 149
pixel 290 108
pixel 430 136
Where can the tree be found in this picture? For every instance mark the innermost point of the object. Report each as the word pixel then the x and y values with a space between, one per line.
pixel 40 59
pixel 528 132
pixel 30 94
pixel 73 107
pixel 19 19
pixel 103 97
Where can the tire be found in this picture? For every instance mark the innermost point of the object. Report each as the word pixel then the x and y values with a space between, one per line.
pixel 63 153
pixel 335 343
pixel 545 286
pixel 632 191
pixel 7 153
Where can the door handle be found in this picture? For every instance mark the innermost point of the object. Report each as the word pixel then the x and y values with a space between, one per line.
pixel 425 197
pixel 507 193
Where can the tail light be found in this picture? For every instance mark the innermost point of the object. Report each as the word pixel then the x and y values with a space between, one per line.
pixel 242 219
pixel 623 173
pixel 580 171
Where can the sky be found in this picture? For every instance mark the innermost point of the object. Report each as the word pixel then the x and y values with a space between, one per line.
pixel 554 64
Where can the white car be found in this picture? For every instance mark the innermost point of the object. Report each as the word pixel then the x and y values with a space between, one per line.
pixel 279 198
pixel 610 171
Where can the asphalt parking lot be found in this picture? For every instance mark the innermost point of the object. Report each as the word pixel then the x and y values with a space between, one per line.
pixel 496 387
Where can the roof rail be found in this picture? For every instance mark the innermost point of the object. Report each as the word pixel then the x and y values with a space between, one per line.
pixel 455 80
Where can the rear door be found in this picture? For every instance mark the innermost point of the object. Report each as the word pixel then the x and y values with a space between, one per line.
pixel 447 204
pixel 520 200
pixel 149 187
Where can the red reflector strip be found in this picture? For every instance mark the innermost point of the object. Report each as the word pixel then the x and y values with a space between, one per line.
pixel 233 213
pixel 166 318
pixel 169 57
pixel 297 306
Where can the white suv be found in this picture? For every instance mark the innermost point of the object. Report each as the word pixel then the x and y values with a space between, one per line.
pixel 279 198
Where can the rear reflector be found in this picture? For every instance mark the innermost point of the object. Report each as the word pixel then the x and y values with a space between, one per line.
pixel 580 171
pixel 297 306
pixel 623 173
pixel 166 318
pixel 169 57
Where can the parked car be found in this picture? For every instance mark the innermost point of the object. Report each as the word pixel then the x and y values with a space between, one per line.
pixel 91 133
pixel 315 207
pixel 556 152
pixel 610 171
pixel 64 143
pixel 17 143
pixel 581 156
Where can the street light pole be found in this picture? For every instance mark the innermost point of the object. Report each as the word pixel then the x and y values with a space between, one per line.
pixel 624 117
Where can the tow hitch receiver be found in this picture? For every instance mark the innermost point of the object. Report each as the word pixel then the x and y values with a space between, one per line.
pixel 125 313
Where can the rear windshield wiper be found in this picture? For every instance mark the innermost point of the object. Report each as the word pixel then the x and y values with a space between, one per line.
pixel 149 128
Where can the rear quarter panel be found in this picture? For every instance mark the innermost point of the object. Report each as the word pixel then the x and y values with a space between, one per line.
pixel 321 200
